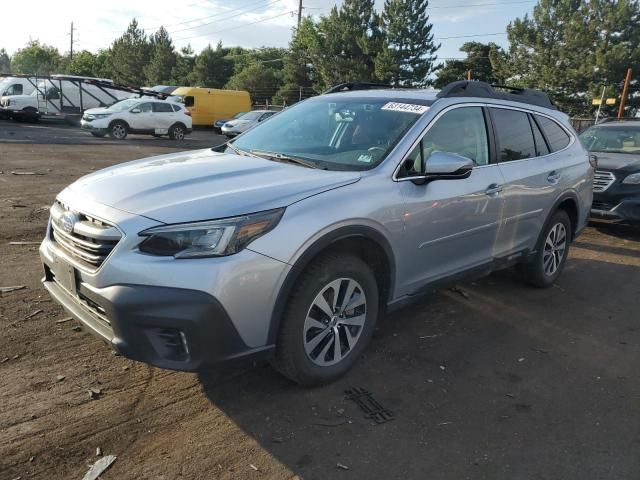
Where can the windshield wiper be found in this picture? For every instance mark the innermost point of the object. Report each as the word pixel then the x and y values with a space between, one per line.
pixel 285 158
pixel 237 151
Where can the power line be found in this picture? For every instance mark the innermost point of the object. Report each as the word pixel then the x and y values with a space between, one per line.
pixel 469 36
pixel 481 4
pixel 235 28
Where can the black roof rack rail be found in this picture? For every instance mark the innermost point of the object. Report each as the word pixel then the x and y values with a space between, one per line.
pixel 473 88
pixel 351 86
pixel 616 119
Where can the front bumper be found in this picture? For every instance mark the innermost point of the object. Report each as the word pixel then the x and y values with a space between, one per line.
pixel 92 126
pixel 619 202
pixel 171 328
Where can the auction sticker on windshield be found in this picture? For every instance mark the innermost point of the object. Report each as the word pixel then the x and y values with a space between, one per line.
pixel 405 107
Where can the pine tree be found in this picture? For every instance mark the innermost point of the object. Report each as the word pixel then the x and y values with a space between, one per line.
pixel 409 53
pixel 298 72
pixel 128 56
pixel 260 81
pixel 481 61
pixel 5 61
pixel 211 68
pixel 163 58
pixel 185 62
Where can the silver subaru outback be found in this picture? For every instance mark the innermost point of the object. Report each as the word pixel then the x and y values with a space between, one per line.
pixel 293 239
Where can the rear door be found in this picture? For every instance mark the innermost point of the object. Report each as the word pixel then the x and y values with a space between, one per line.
pixel 163 117
pixel 532 174
pixel 451 225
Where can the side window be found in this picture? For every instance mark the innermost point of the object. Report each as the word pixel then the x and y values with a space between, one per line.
pixel 160 107
pixel 189 101
pixel 15 89
pixel 514 135
pixel 145 107
pixel 541 144
pixel 53 94
pixel 556 136
pixel 176 108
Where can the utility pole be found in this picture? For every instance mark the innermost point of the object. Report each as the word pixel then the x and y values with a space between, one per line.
pixel 469 75
pixel 600 104
pixel 299 13
pixel 625 90
pixel 71 45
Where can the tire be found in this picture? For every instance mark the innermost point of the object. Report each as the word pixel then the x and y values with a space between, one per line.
pixel 118 130
pixel 177 132
pixel 551 252
pixel 98 134
pixel 306 348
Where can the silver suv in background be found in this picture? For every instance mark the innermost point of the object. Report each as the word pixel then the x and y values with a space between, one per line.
pixel 291 240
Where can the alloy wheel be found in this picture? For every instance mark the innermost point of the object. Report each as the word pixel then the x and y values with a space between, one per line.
pixel 118 131
pixel 335 321
pixel 178 133
pixel 554 249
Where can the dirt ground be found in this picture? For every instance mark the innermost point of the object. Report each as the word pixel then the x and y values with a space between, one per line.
pixel 492 381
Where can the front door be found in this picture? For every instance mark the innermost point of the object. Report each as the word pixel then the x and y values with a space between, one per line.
pixel 451 225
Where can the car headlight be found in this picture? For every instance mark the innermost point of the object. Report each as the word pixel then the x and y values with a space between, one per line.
pixel 215 238
pixel 633 179
pixel 96 116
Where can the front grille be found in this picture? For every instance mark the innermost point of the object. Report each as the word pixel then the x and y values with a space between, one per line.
pixel 88 242
pixel 602 180
pixel 602 206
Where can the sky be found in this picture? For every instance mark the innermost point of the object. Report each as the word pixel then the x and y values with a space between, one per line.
pixel 246 23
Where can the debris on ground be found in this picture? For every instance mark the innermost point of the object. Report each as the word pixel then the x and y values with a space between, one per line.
pixel 64 320
pixel 521 359
pixel 27 173
pixel 77 328
pixel 329 422
pixel 459 291
pixel 445 423
pixel 99 467
pixel 253 467
pixel 24 243
pixel 369 405
pixel 342 466
pixel 60 378
pixel 98 452
pixel 431 336
pixel 540 350
pixel 5 359
pixel 11 289
pixel 94 393
pixel 33 314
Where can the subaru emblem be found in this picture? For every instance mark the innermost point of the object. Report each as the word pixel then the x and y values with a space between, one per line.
pixel 68 220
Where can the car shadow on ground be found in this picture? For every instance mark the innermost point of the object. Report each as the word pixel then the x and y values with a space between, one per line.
pixel 490 380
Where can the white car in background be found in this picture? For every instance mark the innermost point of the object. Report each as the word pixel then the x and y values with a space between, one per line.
pixel 245 122
pixel 139 115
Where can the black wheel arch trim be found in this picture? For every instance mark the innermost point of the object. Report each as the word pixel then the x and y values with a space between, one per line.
pixel 569 195
pixel 318 246
pixel 117 120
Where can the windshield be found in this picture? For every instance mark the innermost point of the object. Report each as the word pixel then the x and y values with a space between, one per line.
pixel 612 139
pixel 250 116
pixel 239 114
pixel 123 105
pixel 335 133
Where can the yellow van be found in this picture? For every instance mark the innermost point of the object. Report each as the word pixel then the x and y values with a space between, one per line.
pixel 209 104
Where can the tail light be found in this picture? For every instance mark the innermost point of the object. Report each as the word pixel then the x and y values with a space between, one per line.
pixel 187 112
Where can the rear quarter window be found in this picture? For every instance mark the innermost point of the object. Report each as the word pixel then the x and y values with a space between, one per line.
pixel 557 138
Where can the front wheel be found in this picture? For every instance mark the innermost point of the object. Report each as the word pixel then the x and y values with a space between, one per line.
pixel 328 321
pixel 552 252
pixel 177 132
pixel 118 130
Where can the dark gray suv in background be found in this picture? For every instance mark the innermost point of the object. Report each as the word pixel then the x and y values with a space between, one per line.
pixel 292 239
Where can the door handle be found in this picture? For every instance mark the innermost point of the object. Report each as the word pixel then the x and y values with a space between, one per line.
pixel 493 189
pixel 553 177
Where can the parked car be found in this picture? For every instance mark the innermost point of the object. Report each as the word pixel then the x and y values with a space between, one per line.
pixel 138 115
pixel 293 239
pixel 244 123
pixel 209 104
pixel 616 188
pixel 217 125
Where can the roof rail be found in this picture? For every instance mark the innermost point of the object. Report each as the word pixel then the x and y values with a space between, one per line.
pixel 350 86
pixel 616 119
pixel 472 88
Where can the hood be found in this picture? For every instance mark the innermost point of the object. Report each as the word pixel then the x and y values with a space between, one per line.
pixel 98 110
pixel 20 99
pixel 203 185
pixel 238 123
pixel 618 161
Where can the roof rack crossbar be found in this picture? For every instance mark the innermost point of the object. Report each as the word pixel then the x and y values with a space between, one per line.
pixel 472 88
pixel 351 86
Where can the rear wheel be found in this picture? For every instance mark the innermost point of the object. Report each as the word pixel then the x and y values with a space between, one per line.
pixel 329 320
pixel 177 132
pixel 118 130
pixel 552 252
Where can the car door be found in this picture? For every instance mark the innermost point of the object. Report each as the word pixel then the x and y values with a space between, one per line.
pixel 163 117
pixel 532 177
pixel 451 225
pixel 141 118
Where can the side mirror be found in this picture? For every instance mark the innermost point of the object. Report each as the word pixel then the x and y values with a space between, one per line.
pixel 445 166
pixel 135 110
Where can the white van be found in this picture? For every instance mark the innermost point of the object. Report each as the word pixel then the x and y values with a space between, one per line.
pixel 62 96
pixel 10 86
